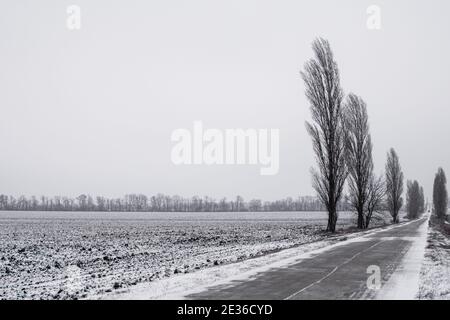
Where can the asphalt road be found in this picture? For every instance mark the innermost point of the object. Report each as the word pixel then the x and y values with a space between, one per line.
pixel 340 272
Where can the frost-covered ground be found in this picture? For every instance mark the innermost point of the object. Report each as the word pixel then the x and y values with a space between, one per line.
pixel 183 285
pixel 60 255
pixel 435 273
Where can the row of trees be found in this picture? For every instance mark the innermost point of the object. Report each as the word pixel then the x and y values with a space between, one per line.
pixel 160 203
pixel 343 147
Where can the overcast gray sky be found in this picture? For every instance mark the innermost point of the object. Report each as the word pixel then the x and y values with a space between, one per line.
pixel 92 110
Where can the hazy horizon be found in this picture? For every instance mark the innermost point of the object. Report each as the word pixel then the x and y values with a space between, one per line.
pixel 92 110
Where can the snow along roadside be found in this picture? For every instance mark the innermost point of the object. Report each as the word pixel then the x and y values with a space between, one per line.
pixel 180 286
pixel 435 273
pixel 403 284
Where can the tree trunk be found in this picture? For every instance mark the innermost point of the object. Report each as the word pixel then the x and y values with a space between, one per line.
pixel 332 219
pixel 361 224
pixel 395 215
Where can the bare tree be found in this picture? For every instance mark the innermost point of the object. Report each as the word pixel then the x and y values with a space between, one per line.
pixel 375 197
pixel 255 205
pixel 82 202
pixel 358 153
pixel 394 184
pixel 323 90
pixel 239 204
pixel 422 200
pixel 414 199
pixel 440 195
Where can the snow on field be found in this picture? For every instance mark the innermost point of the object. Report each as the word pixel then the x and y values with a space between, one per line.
pixel 180 286
pixel 435 274
pixel 72 255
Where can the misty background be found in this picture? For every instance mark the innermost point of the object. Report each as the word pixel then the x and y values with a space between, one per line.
pixel 92 110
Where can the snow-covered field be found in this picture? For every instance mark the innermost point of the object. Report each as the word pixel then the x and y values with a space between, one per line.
pixel 60 255
pixel 435 273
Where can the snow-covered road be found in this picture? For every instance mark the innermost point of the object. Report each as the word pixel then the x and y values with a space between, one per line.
pixel 404 282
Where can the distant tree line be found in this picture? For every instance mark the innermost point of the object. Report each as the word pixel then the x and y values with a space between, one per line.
pixel 159 203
